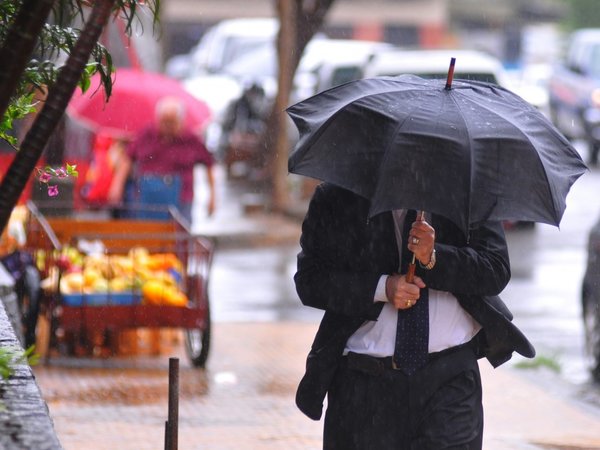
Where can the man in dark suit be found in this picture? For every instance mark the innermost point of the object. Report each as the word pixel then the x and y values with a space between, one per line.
pixel 351 266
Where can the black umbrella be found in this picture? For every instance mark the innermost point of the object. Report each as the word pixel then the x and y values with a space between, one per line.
pixel 470 151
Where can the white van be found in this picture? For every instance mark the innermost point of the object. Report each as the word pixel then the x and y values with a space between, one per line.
pixel 329 62
pixel 229 40
pixel 470 65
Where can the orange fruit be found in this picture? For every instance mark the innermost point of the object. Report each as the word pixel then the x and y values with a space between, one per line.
pixel 153 292
pixel 175 297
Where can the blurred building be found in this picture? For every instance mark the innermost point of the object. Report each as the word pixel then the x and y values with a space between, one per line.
pixel 491 25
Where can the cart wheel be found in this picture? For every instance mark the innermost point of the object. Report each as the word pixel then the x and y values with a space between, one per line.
pixel 197 343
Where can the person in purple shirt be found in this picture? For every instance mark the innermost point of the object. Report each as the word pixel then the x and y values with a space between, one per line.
pixel 164 153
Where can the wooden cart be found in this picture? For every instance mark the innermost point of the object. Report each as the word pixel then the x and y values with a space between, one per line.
pixel 108 313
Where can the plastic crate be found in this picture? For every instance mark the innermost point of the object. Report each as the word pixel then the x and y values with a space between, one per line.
pixel 102 299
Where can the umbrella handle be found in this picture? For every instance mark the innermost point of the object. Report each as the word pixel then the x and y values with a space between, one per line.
pixel 410 274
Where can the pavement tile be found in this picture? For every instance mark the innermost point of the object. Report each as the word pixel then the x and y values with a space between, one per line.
pixel 245 399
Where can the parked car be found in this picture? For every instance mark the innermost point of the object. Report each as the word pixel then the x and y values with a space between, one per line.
pixel 229 40
pixel 325 63
pixel 470 65
pixel 531 83
pixel 574 90
pixel 331 62
pixel 178 66
pixel 590 301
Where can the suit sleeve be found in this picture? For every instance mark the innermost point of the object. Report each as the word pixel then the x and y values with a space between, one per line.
pixel 328 275
pixel 481 267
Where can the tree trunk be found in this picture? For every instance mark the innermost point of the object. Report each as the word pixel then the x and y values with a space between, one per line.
pixel 286 44
pixel 58 98
pixel 19 44
pixel 299 21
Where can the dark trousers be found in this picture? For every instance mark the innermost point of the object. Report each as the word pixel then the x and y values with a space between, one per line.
pixel 374 407
pixel 22 268
pixel 28 292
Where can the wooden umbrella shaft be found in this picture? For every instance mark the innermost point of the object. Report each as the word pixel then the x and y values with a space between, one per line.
pixel 410 274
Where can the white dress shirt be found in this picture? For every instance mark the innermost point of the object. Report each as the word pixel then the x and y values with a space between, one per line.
pixel 449 323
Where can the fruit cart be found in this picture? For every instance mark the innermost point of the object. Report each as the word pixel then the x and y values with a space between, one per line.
pixel 103 275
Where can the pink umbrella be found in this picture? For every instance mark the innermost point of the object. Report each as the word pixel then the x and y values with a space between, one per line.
pixel 130 107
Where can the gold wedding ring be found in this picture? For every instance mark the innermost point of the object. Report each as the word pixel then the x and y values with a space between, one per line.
pixel 408 303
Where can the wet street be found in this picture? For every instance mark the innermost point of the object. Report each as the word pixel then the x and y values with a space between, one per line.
pixel 548 265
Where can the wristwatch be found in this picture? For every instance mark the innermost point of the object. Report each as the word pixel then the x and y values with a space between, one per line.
pixel 431 262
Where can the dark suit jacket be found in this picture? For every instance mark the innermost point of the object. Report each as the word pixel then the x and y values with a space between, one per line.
pixel 344 253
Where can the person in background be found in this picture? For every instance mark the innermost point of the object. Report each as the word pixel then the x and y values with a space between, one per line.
pixel 26 275
pixel 19 263
pixel 107 155
pixel 247 114
pixel 161 162
pixel 242 129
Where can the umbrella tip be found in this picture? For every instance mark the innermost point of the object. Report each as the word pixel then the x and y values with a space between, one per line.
pixel 450 74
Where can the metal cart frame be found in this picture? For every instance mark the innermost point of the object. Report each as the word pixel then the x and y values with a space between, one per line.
pixel 50 234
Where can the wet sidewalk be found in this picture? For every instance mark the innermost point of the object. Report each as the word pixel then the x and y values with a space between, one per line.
pixel 244 399
pixel 242 217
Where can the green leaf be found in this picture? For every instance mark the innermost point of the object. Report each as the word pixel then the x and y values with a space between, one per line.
pixel 12 356
pixel 20 107
pixel 72 170
pixel 11 140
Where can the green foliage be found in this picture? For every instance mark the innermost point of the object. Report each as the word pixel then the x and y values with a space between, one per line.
pixel 22 106
pixel 7 12
pixel 65 11
pixel 61 40
pixel 41 72
pixel 72 170
pixel 58 38
pixel 13 356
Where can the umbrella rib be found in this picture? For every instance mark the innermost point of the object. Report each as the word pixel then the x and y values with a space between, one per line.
pixel 526 137
pixel 331 117
pixel 386 152
pixel 466 128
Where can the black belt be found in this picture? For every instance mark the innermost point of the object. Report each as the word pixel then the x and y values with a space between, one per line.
pixel 377 365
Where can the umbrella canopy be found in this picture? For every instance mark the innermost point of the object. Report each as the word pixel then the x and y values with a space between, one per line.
pixel 471 153
pixel 131 104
